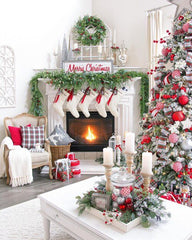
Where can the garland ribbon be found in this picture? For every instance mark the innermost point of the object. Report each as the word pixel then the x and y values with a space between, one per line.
pixel 166 79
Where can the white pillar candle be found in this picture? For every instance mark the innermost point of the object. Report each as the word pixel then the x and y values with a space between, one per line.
pixel 75 45
pixel 146 163
pixel 100 49
pixel 129 142
pixel 118 140
pixel 114 36
pixel 108 156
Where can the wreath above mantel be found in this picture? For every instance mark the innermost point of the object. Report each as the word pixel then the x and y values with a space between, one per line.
pixel 78 81
pixel 89 31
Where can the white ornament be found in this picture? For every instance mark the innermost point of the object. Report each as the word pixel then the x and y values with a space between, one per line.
pixel 186 145
pixel 72 102
pixel 187 123
pixel 174 128
pixel 181 64
pixel 59 101
pixel 112 103
pixel 115 204
pixel 120 200
pixel 101 102
pixel 86 100
pixel 116 191
pixel 181 4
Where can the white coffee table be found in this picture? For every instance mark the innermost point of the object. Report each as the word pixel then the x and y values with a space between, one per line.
pixel 60 206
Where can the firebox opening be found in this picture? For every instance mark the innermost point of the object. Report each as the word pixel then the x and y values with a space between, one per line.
pixel 90 134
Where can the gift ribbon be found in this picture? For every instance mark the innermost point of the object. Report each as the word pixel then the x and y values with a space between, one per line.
pixel 118 146
pixel 70 97
pixel 166 79
pixel 84 96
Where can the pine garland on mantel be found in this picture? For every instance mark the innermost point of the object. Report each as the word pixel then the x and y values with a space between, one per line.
pixel 62 80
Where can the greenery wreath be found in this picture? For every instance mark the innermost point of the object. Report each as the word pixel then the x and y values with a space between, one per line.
pixel 89 31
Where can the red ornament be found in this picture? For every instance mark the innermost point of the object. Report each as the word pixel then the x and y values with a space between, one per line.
pixel 186 27
pixel 122 207
pixel 178 116
pixel 183 88
pixel 176 73
pixel 145 139
pixel 157 95
pixel 165 52
pixel 181 18
pixel 128 201
pixel 183 100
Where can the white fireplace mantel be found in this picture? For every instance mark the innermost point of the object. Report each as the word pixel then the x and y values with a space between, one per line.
pixel 123 123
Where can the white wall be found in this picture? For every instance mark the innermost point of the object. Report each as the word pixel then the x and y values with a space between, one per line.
pixel 33 29
pixel 128 17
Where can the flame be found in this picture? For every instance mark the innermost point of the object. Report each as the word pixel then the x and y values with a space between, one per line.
pixel 90 135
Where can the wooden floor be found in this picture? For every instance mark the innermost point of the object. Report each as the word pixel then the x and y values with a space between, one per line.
pixel 10 196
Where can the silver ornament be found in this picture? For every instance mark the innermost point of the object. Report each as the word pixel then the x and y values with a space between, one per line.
pixel 190 164
pixel 186 145
pixel 115 204
pixel 120 200
pixel 116 191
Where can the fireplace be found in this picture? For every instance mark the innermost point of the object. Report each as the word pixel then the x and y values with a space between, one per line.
pixel 90 134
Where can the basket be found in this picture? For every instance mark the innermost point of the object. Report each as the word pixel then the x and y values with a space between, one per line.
pixel 59 152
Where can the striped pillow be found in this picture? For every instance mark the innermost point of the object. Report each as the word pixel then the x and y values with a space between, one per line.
pixel 32 135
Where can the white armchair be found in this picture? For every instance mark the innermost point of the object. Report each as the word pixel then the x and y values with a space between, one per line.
pixel 38 159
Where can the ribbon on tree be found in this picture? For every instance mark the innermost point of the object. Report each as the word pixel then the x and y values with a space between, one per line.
pixel 99 96
pixel 161 146
pixel 87 92
pixel 189 59
pixel 154 112
pixel 57 96
pixel 70 97
pixel 166 79
pixel 118 146
pixel 188 43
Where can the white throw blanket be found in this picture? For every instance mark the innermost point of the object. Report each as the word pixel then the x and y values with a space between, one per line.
pixel 20 165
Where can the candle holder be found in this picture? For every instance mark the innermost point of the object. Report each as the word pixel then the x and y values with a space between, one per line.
pixel 108 172
pixel 129 161
pixel 146 181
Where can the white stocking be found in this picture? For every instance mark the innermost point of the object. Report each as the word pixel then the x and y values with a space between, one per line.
pixel 101 101
pixel 113 102
pixel 59 100
pixel 86 100
pixel 72 102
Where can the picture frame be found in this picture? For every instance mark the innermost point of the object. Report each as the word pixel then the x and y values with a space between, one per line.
pixel 101 201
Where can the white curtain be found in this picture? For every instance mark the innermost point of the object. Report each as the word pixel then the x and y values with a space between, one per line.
pixel 154 32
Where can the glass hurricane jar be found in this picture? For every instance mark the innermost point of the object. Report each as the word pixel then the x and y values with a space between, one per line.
pixel 123 185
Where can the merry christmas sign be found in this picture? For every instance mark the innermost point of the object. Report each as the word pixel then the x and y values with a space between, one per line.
pixel 88 66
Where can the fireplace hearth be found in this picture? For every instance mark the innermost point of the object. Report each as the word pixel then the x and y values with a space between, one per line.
pixel 90 134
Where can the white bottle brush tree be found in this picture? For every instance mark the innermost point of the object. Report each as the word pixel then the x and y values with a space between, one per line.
pixel 167 127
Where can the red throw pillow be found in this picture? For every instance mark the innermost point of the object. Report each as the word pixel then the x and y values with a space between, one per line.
pixel 16 134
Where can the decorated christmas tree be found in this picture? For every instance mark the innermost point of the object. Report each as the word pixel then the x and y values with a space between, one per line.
pixel 167 127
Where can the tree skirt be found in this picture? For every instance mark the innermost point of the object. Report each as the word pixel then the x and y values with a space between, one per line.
pixel 24 222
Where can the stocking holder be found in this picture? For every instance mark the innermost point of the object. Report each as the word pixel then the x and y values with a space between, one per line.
pixel 108 172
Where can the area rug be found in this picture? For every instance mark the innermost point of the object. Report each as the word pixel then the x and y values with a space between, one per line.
pixel 24 222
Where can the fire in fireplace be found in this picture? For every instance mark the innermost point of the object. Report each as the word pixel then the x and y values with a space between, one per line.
pixel 90 134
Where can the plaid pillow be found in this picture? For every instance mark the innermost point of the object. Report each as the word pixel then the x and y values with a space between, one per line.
pixel 32 135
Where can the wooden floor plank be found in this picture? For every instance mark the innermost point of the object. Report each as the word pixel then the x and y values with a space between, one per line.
pixel 10 196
